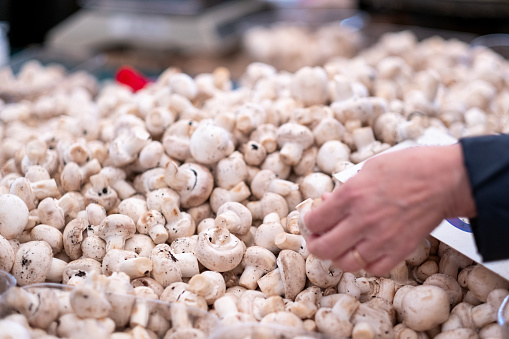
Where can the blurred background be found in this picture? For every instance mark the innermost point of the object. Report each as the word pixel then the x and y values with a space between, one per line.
pixel 198 35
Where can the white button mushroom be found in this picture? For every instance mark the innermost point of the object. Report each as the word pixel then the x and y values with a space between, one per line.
pixel 293 140
pixel 13 216
pixel 210 143
pixel 208 284
pixel 235 217
pixel 219 196
pixel 6 255
pixel 230 171
pixel 322 273
pixel 257 262
pixel 219 250
pixel 152 223
pixel 310 86
pixel 193 182
pixel 33 263
pixel 101 192
pixel 115 229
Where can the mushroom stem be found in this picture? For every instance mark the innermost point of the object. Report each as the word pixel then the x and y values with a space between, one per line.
pixel 201 285
pixel 115 242
pixel 287 241
pixel 158 234
pixel 175 177
pixel 250 276
pixel 282 187
pixel 45 188
pixel 135 267
pixel 179 316
pixel 170 210
pixel 272 284
pixel 291 153
pixel 141 312
pixel 188 264
pixel 56 270
pixel 67 203
pixel 123 189
pixel 225 306
pixel 99 182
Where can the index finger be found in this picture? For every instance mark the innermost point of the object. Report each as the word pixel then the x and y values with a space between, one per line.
pixel 328 214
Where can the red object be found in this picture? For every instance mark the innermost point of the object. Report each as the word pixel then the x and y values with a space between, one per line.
pixel 129 76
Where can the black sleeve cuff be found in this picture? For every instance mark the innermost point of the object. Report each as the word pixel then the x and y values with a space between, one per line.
pixel 487 163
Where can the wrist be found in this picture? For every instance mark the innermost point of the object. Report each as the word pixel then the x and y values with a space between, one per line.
pixel 461 199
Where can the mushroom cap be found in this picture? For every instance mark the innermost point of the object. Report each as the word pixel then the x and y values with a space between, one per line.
pixel 261 181
pixel 230 171
pixel 292 268
pixel 156 198
pixel 32 263
pixel 328 323
pixel 113 258
pixel 176 139
pixel 448 284
pixel 315 184
pixel 243 214
pixel 156 287
pixel 116 225
pixel 310 86
pixel 49 234
pixel 141 244
pixel 284 318
pixel 150 219
pixel 199 187
pixel 21 188
pixel 6 255
pixel 210 143
pixel 13 216
pixel 81 268
pixel 134 207
pixel 260 258
pixel 51 213
pixel 330 154
pixel 294 133
pixel 424 307
pixel 481 281
pixel 322 273
pixel 219 250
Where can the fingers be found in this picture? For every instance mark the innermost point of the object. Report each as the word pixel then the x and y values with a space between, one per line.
pixel 332 210
pixel 336 242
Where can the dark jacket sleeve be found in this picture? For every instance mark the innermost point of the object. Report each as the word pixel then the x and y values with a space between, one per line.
pixel 487 163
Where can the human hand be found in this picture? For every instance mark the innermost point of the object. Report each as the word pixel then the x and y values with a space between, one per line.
pixel 378 217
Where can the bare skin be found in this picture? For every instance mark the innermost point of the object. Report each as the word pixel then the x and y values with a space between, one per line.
pixel 384 211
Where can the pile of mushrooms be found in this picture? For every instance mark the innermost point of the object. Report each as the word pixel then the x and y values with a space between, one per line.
pixel 189 192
